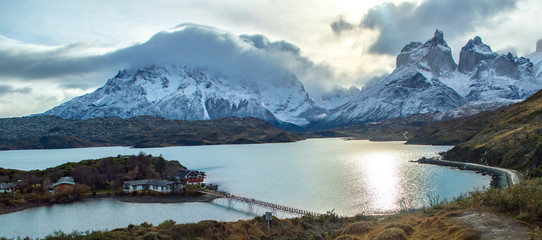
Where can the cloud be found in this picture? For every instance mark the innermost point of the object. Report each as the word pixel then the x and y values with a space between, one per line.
pixel 248 59
pixel 408 21
pixel 340 25
pixel 6 89
pixel 261 42
pixel 508 49
pixel 36 63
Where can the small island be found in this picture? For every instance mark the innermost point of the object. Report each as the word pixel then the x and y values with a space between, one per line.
pixel 133 178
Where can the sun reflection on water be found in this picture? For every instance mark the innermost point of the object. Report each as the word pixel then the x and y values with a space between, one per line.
pixel 381 180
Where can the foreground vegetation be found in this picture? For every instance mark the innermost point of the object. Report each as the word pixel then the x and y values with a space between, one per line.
pixel 519 208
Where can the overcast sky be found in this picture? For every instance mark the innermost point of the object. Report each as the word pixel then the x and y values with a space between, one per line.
pixel 52 51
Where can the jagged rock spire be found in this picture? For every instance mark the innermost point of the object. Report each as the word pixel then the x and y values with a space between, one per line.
pixel 472 53
pixel 539 46
pixel 434 53
pixel 438 38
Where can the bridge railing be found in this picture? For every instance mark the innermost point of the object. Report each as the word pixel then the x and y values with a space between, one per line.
pixel 261 203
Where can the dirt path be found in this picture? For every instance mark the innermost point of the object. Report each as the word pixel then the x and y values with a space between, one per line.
pixel 493 226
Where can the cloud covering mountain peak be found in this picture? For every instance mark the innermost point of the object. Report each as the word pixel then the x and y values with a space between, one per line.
pixel 248 58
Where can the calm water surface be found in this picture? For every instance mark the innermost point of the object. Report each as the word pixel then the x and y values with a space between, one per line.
pixel 348 177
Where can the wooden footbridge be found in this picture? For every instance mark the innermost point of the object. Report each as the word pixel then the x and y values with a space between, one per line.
pixel 252 201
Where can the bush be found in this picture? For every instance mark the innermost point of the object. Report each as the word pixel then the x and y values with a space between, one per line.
pixel 406 228
pixel 523 200
pixel 151 236
pixel 359 228
pixel 391 234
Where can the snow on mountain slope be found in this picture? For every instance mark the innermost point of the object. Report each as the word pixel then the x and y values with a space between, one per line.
pixel 536 59
pixel 412 88
pixel 177 92
pixel 485 76
pixel 405 92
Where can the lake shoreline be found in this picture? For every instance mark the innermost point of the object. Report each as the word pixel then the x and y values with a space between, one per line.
pixel 23 207
pixel 500 177
pixel 122 198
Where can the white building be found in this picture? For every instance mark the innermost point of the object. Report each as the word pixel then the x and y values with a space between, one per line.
pixel 7 187
pixel 149 184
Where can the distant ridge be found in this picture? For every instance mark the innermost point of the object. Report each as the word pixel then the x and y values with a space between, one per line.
pixel 49 132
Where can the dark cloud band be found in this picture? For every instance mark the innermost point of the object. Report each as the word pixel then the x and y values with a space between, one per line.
pixel 407 21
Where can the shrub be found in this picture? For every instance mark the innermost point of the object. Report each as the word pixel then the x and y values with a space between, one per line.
pixel 145 225
pixel 406 228
pixel 151 236
pixel 523 200
pixel 359 228
pixel 391 234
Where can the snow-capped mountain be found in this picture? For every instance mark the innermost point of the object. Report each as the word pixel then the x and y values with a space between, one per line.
pixel 492 77
pixel 427 79
pixel 412 88
pixel 177 92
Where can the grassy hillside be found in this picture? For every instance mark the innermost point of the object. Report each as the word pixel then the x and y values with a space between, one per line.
pixel 511 139
pixel 47 132
pixel 450 132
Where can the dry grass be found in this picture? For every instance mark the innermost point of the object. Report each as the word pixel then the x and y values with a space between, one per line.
pixel 359 228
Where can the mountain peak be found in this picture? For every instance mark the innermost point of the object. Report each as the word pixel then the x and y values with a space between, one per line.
pixel 476 45
pixel 472 53
pixel 438 39
pixel 434 55
pixel 539 45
